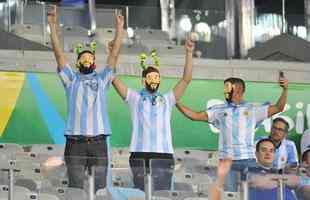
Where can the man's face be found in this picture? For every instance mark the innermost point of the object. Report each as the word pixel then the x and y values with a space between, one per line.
pixel 265 155
pixel 86 60
pixel 307 159
pixel 228 90
pixel 152 81
pixel 278 131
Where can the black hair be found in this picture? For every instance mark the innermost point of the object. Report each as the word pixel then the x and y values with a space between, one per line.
pixel 264 140
pixel 280 119
pixel 149 69
pixel 304 155
pixel 238 81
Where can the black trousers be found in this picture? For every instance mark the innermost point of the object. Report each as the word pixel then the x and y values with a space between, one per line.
pixel 86 153
pixel 159 165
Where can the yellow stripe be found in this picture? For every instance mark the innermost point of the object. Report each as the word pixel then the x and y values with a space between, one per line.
pixel 11 84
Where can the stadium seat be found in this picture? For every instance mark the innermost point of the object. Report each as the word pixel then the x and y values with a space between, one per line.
pixel 231 196
pixel 174 195
pixel 48 149
pixel 122 177
pixel 183 187
pixel 75 194
pixel 45 196
pixel 19 193
pixel 27 183
pixel 10 148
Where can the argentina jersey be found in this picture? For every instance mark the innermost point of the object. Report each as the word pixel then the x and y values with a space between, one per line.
pixel 237 128
pixel 150 114
pixel 86 101
pixel 285 154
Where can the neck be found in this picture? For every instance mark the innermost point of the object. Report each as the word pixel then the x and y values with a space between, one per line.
pixel 266 165
pixel 237 101
pixel 277 143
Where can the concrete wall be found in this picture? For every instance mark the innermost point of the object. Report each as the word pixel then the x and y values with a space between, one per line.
pixel 172 66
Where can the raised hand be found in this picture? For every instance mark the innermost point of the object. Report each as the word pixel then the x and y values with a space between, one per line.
pixel 189 46
pixel 119 19
pixel 283 82
pixel 52 16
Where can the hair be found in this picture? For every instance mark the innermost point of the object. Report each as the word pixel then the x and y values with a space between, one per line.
pixel 237 81
pixel 304 155
pixel 85 51
pixel 280 119
pixel 262 141
pixel 149 69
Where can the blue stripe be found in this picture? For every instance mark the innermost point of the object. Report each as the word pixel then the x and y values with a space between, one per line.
pixel 139 135
pixel 83 117
pixel 95 113
pixel 104 112
pixel 235 134
pixel 164 130
pixel 71 104
pixel 55 124
pixel 153 119
pixel 250 132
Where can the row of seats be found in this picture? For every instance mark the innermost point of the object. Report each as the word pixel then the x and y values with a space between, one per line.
pixel 194 171
pixel 119 155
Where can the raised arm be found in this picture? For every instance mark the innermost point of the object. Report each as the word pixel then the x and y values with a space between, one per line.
pixel 115 45
pixel 195 116
pixel 279 106
pixel 120 87
pixel 187 74
pixel 52 18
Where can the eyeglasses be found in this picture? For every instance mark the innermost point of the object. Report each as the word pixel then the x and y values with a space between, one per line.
pixel 278 129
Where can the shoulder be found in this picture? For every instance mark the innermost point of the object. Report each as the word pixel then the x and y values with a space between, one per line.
pixel 219 107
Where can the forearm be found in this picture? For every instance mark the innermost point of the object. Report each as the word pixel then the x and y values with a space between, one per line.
pixel 282 100
pixel 188 68
pixel 57 48
pixel 181 86
pixel 196 116
pixel 113 55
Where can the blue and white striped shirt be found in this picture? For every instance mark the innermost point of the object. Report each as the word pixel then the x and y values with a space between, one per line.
pixel 285 154
pixel 150 115
pixel 86 101
pixel 237 125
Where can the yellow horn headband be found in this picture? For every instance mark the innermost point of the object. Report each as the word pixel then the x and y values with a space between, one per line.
pixel 143 58
pixel 79 47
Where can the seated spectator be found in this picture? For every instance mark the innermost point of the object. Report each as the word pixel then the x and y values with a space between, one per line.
pixel 263 184
pixel 303 191
pixel 285 152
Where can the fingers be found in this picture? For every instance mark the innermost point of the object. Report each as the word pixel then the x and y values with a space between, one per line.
pixel 283 82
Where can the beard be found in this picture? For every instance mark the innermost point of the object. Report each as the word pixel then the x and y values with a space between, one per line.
pixel 153 87
pixel 86 70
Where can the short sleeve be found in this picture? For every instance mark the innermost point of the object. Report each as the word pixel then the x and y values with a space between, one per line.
pixel 107 75
pixel 292 153
pixel 132 97
pixel 67 75
pixel 261 113
pixel 211 114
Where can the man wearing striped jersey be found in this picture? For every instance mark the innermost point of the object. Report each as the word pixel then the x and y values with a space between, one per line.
pixel 151 139
pixel 285 152
pixel 237 119
pixel 87 126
